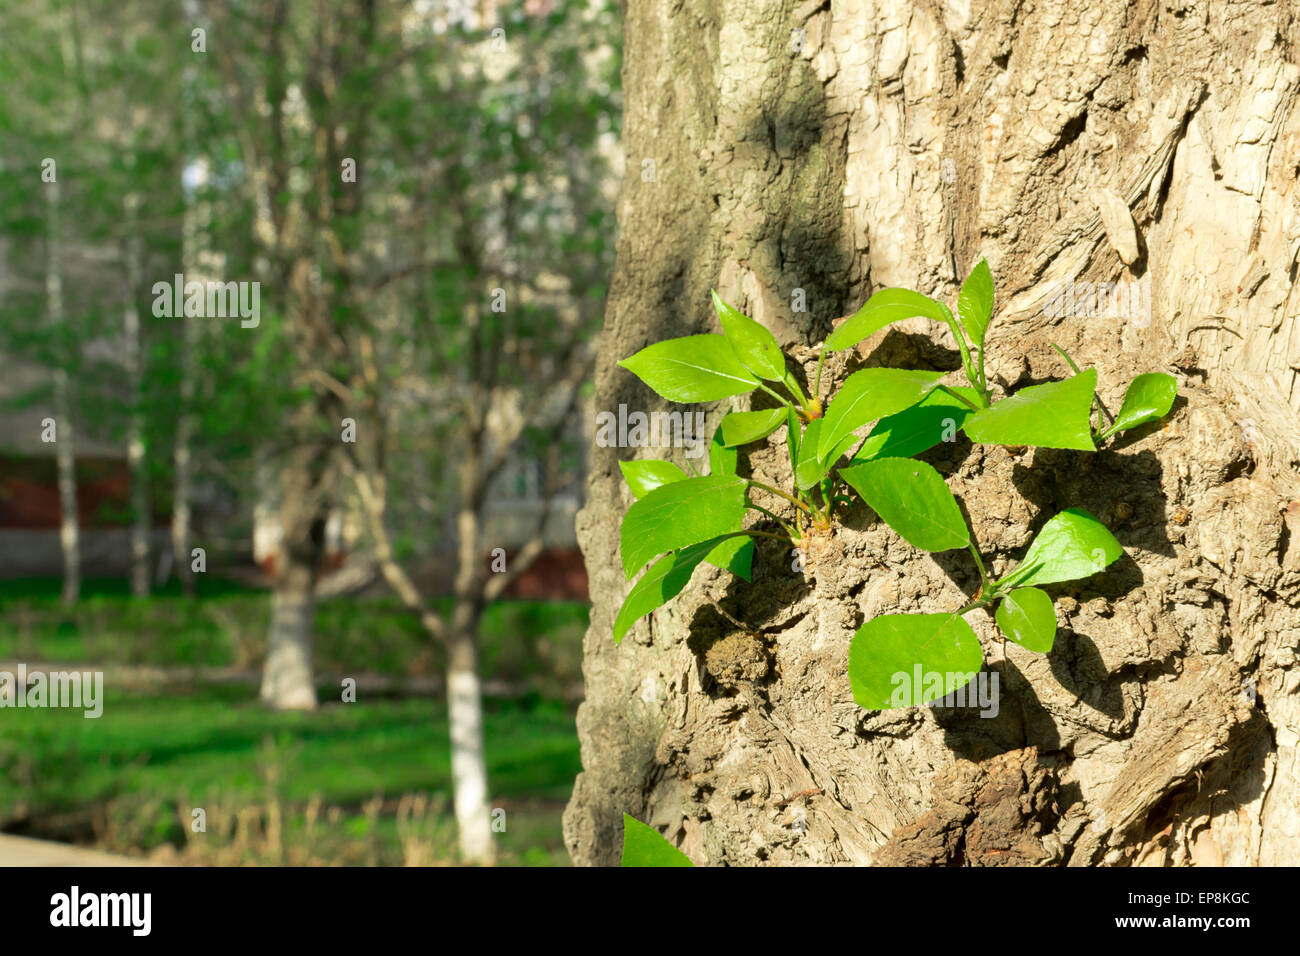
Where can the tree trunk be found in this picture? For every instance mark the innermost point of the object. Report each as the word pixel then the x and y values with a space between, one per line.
pixel 838 149
pixel 287 676
pixel 182 464
pixel 66 459
pixel 468 765
pixel 459 636
pixel 287 682
pixel 197 219
pixel 65 451
pixel 135 438
pixel 464 689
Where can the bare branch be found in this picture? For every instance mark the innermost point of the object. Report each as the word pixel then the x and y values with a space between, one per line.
pixel 373 494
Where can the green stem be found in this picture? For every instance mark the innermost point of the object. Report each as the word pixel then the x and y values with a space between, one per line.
pixel 777 491
pixel 768 534
pixel 959 396
pixel 791 385
pixel 979 563
pixel 817 384
pixel 1096 399
pixel 774 517
pixel 1000 586
pixel 949 318
pixel 1068 361
pixel 774 394
pixel 818 501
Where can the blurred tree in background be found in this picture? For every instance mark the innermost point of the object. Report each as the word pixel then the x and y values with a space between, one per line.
pixel 423 192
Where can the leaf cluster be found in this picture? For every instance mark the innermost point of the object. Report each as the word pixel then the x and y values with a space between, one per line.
pixel 680 520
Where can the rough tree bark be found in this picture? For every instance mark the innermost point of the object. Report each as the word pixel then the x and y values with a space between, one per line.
pixel 842 147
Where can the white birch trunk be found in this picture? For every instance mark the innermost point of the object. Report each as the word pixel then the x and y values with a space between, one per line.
pixel 196 221
pixel 287 682
pixel 181 487
pixel 468 763
pixel 64 446
pixel 287 678
pixel 465 696
pixel 135 439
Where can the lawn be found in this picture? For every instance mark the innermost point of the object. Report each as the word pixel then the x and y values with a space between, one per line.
pixel 354 783
pixel 538 643
pixel 129 781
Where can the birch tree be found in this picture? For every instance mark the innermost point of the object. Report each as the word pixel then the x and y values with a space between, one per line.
pixel 297 84
pixel 64 440
pixel 513 312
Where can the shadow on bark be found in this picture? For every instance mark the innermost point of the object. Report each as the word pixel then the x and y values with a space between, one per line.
pixel 730 655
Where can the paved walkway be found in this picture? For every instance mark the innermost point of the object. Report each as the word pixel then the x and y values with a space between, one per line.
pixel 21 851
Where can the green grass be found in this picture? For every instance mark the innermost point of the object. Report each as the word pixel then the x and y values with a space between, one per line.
pixel 122 781
pixel 539 643
pixel 148 756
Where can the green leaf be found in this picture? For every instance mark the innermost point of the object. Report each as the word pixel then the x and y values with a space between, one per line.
pixel 662 582
pixel 839 451
pixel 668 576
pixel 1072 545
pixel 680 514
pixel 975 302
pixel 904 660
pixel 884 308
pixel 811 468
pixel 741 428
pixel 913 499
pixel 722 460
pixel 936 418
pixel 644 846
pixel 696 368
pixel 756 347
pixel 648 474
pixel 806 471
pixel 1148 397
pixel 870 394
pixel 1027 617
pixel 734 554
pixel 1055 415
